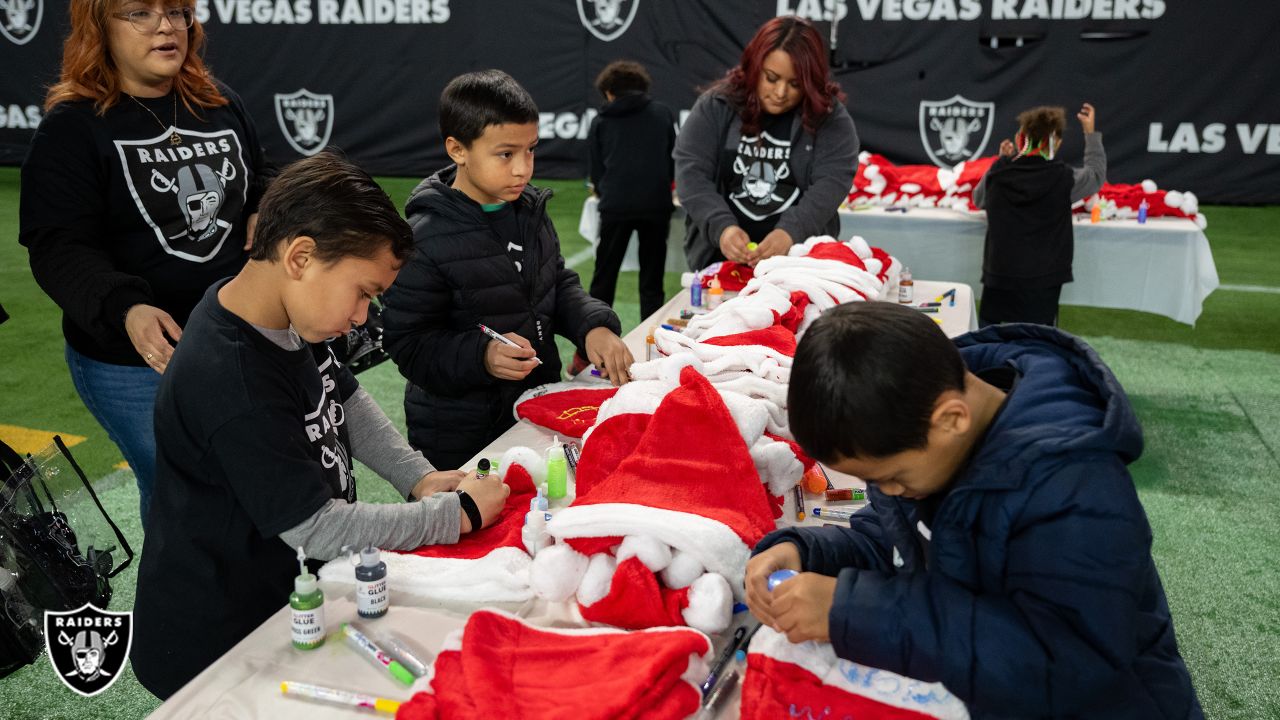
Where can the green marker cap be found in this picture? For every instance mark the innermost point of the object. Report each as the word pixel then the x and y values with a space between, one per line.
pixel 400 672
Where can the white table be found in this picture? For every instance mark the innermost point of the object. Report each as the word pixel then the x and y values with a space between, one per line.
pixel 1164 267
pixel 245 682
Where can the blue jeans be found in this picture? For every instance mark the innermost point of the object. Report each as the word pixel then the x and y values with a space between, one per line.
pixel 122 399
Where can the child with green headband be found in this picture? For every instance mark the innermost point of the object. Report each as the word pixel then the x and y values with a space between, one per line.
pixel 1028 193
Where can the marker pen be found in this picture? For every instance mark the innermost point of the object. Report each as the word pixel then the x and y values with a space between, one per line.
pixel 339 697
pixel 375 653
pixel 828 513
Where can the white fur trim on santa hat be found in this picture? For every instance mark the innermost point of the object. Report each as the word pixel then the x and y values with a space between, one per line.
pixel 655 554
pixel 1201 221
pixel 751 416
pixel 710 604
pixel 683 570
pixel 750 356
pixel 1149 186
pixel 883 686
pixel 500 576
pixel 777 464
pixel 597 580
pixel 718 548
pixel 551 388
pixel 531 460
pixel 557 572
pixel 637 396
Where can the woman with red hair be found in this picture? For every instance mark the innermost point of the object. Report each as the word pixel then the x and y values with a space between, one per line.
pixel 767 154
pixel 138 192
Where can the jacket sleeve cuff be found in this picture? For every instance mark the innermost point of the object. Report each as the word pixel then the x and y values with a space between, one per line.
pixel 116 305
pixel 844 619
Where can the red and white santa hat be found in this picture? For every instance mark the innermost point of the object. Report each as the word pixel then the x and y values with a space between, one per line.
pixel 501 666
pixel 782 676
pixel 686 482
pixel 566 408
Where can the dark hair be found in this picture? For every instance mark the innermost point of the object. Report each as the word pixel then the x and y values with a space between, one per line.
pixel 473 101
pixel 802 41
pixel 1040 123
pixel 328 198
pixel 865 381
pixel 623 77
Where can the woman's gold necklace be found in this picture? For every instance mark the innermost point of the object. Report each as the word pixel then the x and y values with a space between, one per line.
pixel 174 137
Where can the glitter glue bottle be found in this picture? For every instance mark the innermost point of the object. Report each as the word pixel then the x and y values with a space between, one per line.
pixel 715 295
pixel 1143 207
pixel 557 470
pixel 372 598
pixel 307 605
pixel 534 534
pixel 906 286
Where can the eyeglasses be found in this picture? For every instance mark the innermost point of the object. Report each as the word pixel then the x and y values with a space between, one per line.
pixel 148 21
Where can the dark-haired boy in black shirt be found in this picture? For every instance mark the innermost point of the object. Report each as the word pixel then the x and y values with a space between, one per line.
pixel 257 423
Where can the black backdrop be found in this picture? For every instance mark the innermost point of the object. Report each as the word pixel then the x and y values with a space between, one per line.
pixel 1186 92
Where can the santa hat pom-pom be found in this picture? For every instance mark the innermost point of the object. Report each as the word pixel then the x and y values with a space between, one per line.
pixel 1173 198
pixel 1190 203
pixel 871 172
pixel 1149 186
pixel 1200 221
pixel 864 157
pixel 534 462
pixel 597 580
pixel 710 604
pixel 860 246
pixel 683 570
pixel 655 554
pixel 557 572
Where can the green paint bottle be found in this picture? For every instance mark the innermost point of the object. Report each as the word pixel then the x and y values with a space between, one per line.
pixel 307 603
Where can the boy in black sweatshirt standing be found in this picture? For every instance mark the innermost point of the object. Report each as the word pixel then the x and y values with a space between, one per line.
pixel 631 170
pixel 488 254
pixel 1028 194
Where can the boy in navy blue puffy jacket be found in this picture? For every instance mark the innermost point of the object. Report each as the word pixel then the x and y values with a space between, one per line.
pixel 1005 553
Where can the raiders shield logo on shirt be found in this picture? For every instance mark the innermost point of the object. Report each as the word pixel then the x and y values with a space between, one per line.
pixel 325 431
pixel 762 176
pixel 189 193
pixel 88 647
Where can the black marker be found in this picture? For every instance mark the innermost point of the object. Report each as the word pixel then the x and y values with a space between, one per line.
pixel 723 660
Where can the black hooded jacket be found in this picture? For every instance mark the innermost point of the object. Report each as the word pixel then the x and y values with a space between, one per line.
pixel 630 146
pixel 461 275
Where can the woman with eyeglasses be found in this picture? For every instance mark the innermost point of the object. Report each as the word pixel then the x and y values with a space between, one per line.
pixel 138 192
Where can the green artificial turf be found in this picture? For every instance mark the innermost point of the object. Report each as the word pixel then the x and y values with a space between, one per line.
pixel 1208 398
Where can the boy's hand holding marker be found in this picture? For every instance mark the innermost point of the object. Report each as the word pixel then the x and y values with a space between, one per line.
pixel 509 357
pixel 607 352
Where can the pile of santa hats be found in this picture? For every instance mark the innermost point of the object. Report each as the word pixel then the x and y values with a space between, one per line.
pixel 669 498
pixel 501 666
pixel 785 679
pixel 880 183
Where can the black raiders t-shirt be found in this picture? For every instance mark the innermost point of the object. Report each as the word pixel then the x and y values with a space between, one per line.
pixel 760 184
pixel 115 214
pixel 250 442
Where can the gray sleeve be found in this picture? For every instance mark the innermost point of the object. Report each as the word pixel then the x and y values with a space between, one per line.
pixel 376 442
pixel 435 520
pixel 696 155
pixel 1089 178
pixel 835 150
pixel 980 190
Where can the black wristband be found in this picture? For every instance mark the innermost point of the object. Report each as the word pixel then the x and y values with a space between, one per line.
pixel 469 507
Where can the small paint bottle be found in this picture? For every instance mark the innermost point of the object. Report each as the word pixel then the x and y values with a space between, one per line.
pixel 482 468
pixel 534 533
pixel 695 291
pixel 715 295
pixel 906 286
pixel 650 347
pixel 1095 215
pixel 1143 208
pixel 306 604
pixel 372 597
pixel 557 470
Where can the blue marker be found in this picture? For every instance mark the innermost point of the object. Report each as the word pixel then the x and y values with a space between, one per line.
pixel 723 660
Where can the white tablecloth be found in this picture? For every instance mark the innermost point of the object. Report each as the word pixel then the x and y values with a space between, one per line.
pixel 1163 267
pixel 245 682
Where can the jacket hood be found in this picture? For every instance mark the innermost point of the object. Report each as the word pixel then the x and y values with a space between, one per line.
pixel 435 195
pixel 626 105
pixel 1036 177
pixel 1066 400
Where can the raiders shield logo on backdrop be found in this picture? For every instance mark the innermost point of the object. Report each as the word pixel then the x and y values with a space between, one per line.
pixel 955 129
pixel 607 19
pixel 20 19
pixel 88 647
pixel 188 193
pixel 306 119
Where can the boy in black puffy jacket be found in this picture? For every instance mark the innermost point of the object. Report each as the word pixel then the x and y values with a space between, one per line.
pixel 487 253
